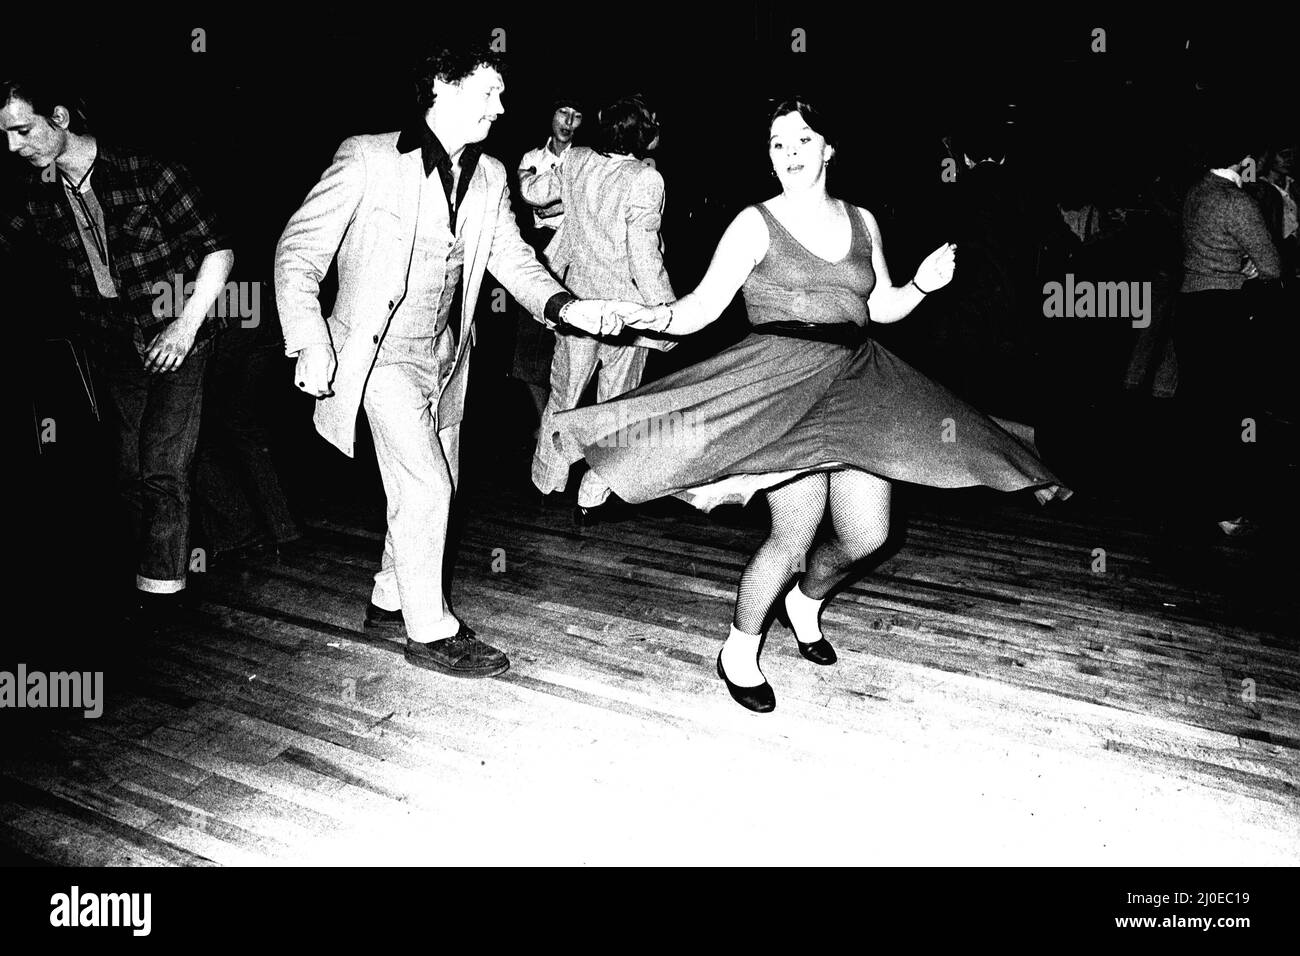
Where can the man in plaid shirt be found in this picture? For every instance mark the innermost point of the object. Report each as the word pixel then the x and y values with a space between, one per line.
pixel 126 229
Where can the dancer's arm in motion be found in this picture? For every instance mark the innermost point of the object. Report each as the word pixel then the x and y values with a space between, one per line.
pixel 644 214
pixel 541 190
pixel 303 256
pixel 889 303
pixel 742 247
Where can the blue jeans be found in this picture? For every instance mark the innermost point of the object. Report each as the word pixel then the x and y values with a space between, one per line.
pixel 155 422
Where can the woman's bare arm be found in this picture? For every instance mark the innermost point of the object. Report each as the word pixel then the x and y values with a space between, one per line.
pixel 887 302
pixel 742 247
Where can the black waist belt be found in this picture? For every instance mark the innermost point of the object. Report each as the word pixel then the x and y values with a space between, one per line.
pixel 838 333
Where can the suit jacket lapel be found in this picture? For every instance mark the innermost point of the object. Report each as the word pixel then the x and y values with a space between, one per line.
pixel 411 181
pixel 469 227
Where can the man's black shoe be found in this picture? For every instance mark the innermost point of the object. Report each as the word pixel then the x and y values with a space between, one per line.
pixel 461 656
pixel 376 616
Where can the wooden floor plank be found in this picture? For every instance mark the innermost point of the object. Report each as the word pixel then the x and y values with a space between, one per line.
pixel 996 700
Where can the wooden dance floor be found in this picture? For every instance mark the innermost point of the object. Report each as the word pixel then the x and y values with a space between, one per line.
pixel 996 701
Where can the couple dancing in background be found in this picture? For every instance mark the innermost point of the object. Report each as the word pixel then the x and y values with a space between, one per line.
pixel 608 247
pixel 807 408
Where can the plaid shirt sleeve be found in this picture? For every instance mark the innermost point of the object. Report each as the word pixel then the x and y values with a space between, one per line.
pixel 12 226
pixel 187 216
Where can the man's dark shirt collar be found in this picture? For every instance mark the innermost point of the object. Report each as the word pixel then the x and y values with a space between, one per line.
pixel 418 135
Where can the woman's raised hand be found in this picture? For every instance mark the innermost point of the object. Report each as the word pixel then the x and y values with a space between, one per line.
pixel 936 270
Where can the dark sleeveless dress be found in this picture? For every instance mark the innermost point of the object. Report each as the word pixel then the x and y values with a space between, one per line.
pixel 817 395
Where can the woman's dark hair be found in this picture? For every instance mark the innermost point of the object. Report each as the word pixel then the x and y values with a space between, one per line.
pixel 815 118
pixel 627 125
pixel 43 96
pixel 451 65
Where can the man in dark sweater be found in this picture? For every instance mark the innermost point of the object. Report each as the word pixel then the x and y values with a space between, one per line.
pixel 1225 242
pixel 1274 305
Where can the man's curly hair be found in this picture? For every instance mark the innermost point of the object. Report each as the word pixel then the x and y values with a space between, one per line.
pixel 451 65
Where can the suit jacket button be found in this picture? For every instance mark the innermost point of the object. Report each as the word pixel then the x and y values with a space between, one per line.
pixel 375 340
pixel 390 303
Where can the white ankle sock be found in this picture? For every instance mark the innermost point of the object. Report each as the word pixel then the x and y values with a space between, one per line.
pixel 740 658
pixel 803 612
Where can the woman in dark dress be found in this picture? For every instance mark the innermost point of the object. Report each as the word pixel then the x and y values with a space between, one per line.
pixel 806 408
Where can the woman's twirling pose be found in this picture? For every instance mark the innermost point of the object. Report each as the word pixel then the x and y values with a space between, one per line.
pixel 806 408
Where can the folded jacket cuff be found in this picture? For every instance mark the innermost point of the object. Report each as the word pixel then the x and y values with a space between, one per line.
pixel 551 313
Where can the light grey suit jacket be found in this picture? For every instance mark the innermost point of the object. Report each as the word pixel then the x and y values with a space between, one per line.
pixel 609 245
pixel 364 209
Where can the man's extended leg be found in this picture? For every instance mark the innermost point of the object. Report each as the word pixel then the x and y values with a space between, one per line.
pixel 127 392
pixel 571 369
pixel 169 432
pixel 399 403
pixel 419 464
pixel 621 368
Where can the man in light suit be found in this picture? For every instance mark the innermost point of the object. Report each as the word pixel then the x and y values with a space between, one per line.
pixel 608 246
pixel 415 218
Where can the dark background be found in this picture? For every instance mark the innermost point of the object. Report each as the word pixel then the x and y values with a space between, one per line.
pixel 259 114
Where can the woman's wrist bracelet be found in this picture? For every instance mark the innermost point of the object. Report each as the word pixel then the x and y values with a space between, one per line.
pixel 670 318
pixel 918 288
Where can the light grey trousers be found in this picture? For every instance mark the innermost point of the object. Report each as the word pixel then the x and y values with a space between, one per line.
pixel 420 465
pixel 575 361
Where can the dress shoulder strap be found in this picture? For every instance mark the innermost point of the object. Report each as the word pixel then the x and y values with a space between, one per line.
pixel 859 222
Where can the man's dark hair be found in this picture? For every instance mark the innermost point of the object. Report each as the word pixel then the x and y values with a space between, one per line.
pixel 1227 131
pixel 451 65
pixel 43 96
pixel 628 126
pixel 566 102
pixel 1225 147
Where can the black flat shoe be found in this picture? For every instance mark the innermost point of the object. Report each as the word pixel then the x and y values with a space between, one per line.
pixel 461 656
pixel 819 652
pixel 760 699
pixel 610 511
pixel 376 616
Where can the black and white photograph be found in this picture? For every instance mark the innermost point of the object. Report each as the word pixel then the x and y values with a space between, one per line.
pixel 751 435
